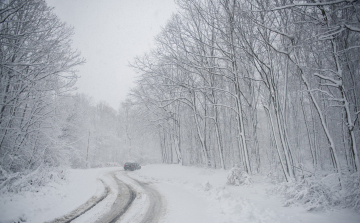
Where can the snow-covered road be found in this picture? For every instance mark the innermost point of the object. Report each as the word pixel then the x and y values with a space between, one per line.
pixel 124 199
pixel 135 201
pixel 156 208
pixel 164 193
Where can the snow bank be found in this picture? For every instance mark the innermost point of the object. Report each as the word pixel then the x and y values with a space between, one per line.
pixel 53 200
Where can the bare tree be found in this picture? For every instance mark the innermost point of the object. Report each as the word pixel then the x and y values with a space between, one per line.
pixel 36 68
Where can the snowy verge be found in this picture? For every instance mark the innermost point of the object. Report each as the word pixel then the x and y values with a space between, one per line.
pixel 94 200
pixel 106 175
pixel 227 203
pixel 326 192
pixel 55 199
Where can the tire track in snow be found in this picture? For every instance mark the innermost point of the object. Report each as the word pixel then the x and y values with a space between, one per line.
pixel 149 205
pixel 83 208
pixel 154 212
pixel 126 196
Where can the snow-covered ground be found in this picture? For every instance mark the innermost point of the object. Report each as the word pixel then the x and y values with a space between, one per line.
pixel 201 195
pixel 190 194
pixel 59 199
pixel 51 201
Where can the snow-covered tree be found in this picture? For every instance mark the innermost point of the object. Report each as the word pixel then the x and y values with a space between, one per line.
pixel 36 69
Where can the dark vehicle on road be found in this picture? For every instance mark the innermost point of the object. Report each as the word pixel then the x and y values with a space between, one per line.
pixel 132 166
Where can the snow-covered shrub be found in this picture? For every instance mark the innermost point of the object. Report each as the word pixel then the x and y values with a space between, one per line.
pixel 352 193
pixel 321 193
pixel 238 177
pixel 23 181
pixel 274 177
pixel 222 193
pixel 313 193
pixel 207 186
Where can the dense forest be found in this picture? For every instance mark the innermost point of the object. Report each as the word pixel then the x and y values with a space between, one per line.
pixel 270 87
pixel 264 85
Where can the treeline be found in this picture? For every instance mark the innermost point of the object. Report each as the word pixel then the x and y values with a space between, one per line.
pixel 267 85
pixel 96 134
pixel 45 129
pixel 36 68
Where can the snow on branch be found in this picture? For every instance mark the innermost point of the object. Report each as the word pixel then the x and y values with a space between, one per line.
pixel 312 4
pixel 347 49
pixel 352 28
pixel 336 83
pixel 356 118
pixel 291 37
pixel 331 34
pixel 324 92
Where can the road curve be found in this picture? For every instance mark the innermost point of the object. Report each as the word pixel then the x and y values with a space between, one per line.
pixel 154 212
pixel 126 196
pixel 124 199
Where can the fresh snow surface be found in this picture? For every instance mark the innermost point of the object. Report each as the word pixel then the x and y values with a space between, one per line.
pixel 190 194
pixel 200 195
pixel 54 200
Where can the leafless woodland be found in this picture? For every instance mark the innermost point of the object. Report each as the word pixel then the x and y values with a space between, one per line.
pixel 271 87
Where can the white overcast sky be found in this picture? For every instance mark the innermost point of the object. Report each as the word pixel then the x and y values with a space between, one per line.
pixel 109 34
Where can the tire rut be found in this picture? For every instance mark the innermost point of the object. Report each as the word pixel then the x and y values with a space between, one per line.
pixel 83 208
pixel 155 209
pixel 126 196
